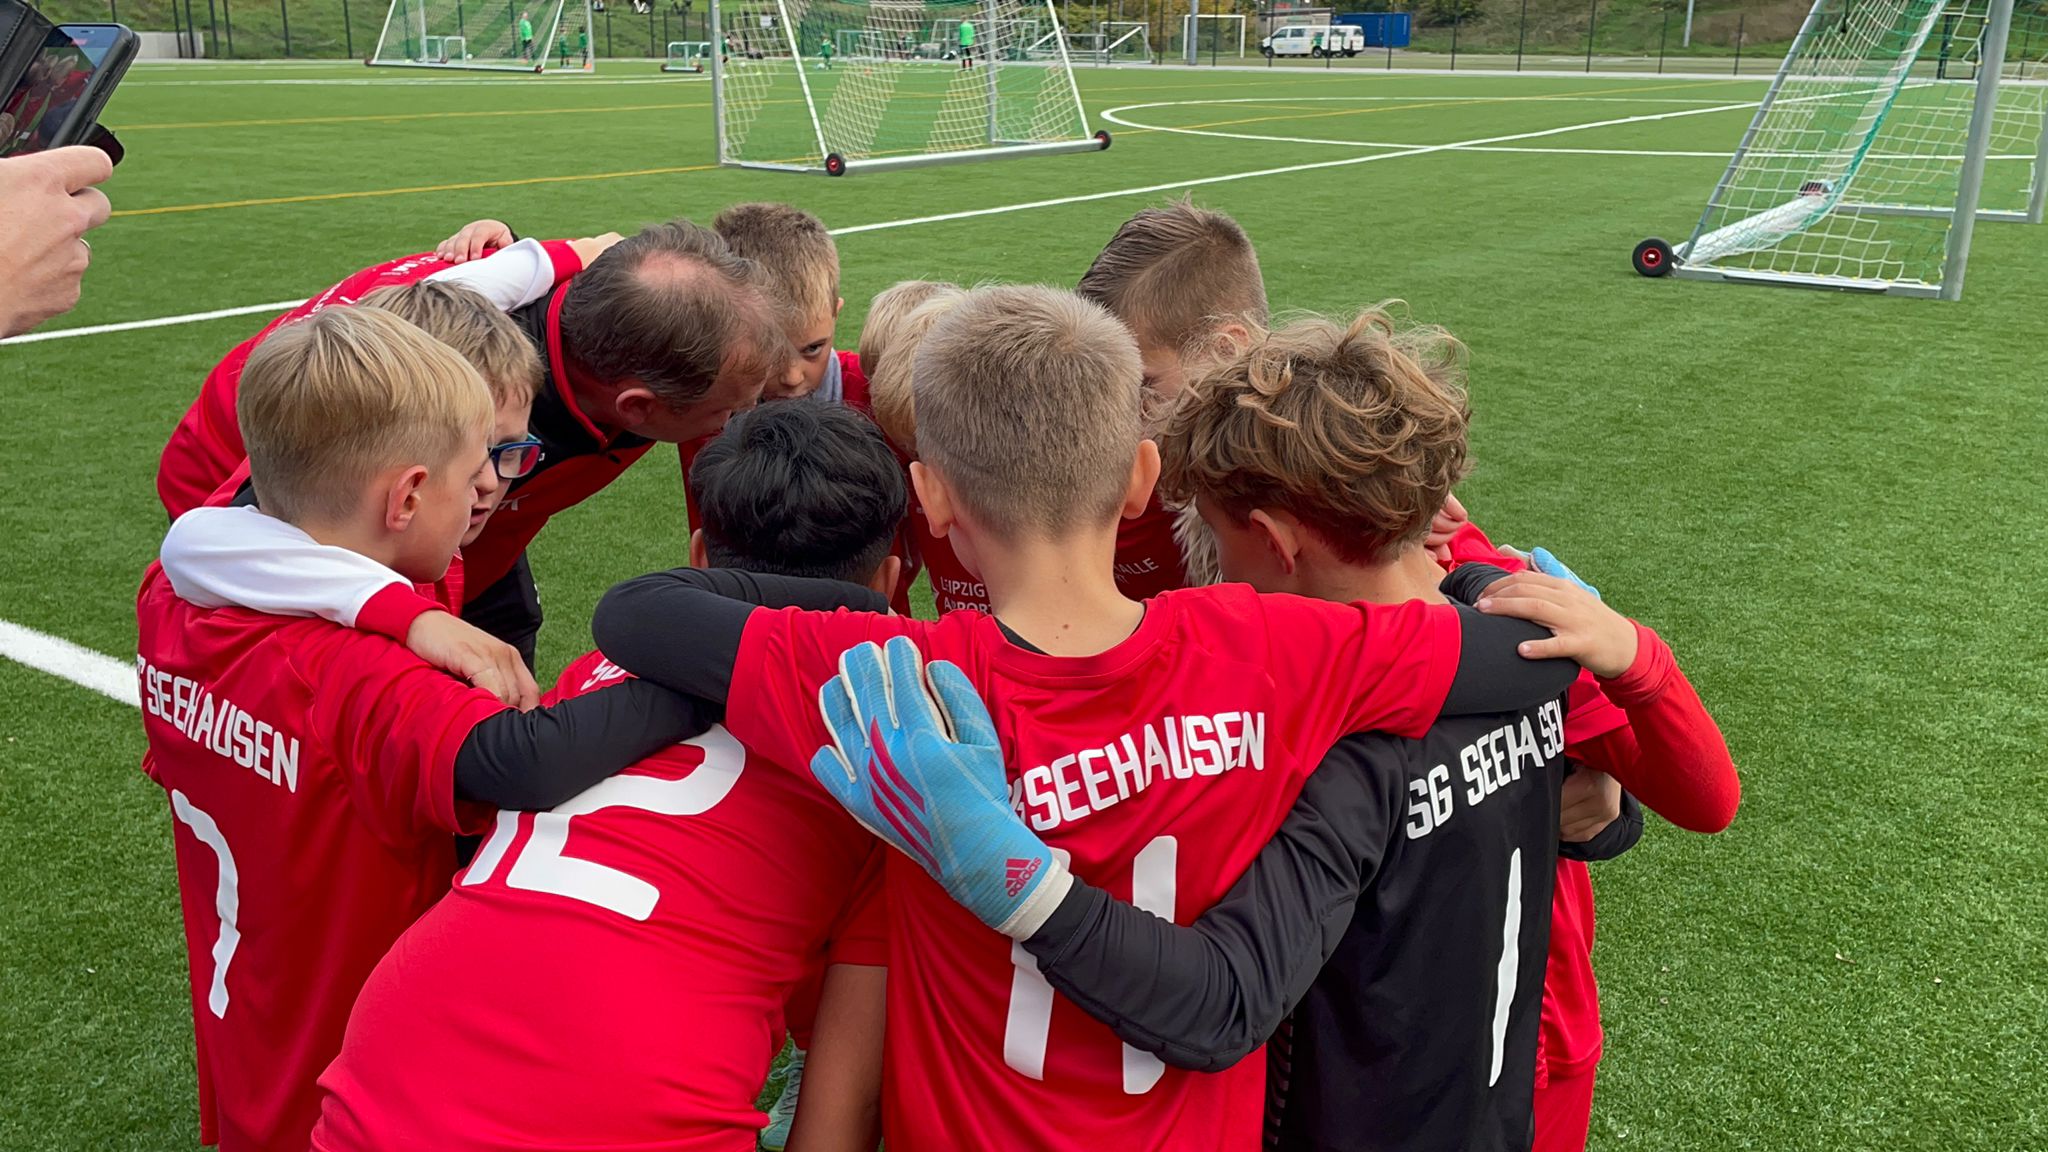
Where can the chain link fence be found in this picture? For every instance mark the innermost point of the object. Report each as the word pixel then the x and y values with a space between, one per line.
pixel 1744 37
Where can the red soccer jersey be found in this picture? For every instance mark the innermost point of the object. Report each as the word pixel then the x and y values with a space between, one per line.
pixel 311 774
pixel 1160 767
pixel 206 446
pixel 612 973
pixel 1148 560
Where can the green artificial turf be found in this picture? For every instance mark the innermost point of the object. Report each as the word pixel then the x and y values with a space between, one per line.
pixel 1827 503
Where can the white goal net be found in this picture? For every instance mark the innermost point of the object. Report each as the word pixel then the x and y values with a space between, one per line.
pixel 1892 127
pixel 841 85
pixel 492 35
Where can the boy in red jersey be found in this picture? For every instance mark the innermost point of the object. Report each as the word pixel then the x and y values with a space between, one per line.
pixel 317 774
pixel 661 339
pixel 705 885
pixel 206 447
pixel 1163 741
pixel 1421 1031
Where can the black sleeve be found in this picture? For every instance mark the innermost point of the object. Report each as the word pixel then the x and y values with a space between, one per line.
pixel 681 628
pixel 537 759
pixel 1206 995
pixel 1613 840
pixel 1492 676
pixel 1467 582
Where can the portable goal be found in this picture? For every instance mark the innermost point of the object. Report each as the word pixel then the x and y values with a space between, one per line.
pixel 897 91
pixel 486 36
pixel 1891 128
pixel 686 56
pixel 1217 33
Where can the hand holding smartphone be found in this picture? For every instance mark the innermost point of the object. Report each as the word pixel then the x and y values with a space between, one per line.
pixel 66 74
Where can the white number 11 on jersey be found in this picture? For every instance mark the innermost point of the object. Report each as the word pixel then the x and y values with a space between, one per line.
pixel 1153 883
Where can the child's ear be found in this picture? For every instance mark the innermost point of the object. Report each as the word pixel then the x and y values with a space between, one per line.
pixel 838 306
pixel 698 556
pixel 933 497
pixel 887 573
pixel 402 498
pixel 1144 477
pixel 1281 535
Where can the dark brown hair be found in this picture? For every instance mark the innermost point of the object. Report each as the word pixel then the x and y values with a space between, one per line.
pixel 671 307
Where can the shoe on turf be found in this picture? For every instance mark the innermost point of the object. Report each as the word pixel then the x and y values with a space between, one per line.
pixel 775 1137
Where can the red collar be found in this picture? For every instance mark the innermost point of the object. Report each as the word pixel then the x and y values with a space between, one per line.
pixel 566 376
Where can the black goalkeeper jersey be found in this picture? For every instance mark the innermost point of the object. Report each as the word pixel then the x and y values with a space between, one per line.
pixel 1420 1031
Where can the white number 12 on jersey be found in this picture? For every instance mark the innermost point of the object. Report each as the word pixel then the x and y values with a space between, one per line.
pixel 1153 884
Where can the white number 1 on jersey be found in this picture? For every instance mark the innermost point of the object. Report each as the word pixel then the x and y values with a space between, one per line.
pixel 1153 884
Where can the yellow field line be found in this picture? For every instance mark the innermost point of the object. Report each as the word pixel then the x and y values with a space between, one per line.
pixel 394 116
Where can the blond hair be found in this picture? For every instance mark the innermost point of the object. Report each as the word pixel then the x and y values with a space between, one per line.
pixel 329 401
pixel 1176 274
pixel 464 320
pixel 1357 430
pixel 887 311
pixel 890 393
pixel 1027 400
pixel 794 251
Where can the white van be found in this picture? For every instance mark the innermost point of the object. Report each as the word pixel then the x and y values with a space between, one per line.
pixel 1314 40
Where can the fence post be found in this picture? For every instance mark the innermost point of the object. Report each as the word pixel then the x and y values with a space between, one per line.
pixel 1663 38
pixel 1521 35
pixel 1457 18
pixel 664 33
pixel 285 18
pixel 348 31
pixel 228 18
pixel 1739 18
pixel 1592 19
pixel 113 12
pixel 650 32
pixel 608 54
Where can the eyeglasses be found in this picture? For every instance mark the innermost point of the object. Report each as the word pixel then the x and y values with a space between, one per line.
pixel 516 459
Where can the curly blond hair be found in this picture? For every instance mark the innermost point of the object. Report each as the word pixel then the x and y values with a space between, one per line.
pixel 1358 430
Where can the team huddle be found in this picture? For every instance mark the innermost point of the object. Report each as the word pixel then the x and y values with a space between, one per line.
pixel 1241 795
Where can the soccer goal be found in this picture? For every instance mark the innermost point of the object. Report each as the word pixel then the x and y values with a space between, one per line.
pixel 919 82
pixel 544 36
pixel 1126 40
pixel 686 56
pixel 1218 33
pixel 1891 128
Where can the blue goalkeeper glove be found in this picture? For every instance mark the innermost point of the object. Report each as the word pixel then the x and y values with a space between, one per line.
pixel 915 758
pixel 1543 561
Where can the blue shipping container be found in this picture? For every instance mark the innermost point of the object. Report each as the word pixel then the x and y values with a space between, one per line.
pixel 1380 29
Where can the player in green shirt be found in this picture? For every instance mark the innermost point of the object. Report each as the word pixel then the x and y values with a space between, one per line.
pixel 967 43
pixel 525 36
pixel 825 54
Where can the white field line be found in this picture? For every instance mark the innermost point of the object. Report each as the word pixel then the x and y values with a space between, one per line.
pixel 114 679
pixel 1026 206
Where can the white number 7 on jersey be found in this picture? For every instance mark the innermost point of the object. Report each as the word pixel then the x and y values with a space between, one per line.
pixel 1153 884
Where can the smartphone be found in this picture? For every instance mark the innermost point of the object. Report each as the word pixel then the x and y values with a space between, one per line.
pixel 57 101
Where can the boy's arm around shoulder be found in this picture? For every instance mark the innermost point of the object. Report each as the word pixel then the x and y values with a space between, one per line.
pixel 682 628
pixel 1671 755
pixel 1204 996
pixel 216 557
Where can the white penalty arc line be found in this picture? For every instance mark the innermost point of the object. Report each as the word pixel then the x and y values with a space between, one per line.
pixel 103 674
pixel 1026 206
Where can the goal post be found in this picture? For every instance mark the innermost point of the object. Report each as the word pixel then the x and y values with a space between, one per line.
pixel 1213 31
pixel 487 35
pixel 909 83
pixel 1891 128
pixel 686 56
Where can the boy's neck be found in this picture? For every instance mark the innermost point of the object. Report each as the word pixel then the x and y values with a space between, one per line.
pixel 1059 594
pixel 1412 575
pixel 362 539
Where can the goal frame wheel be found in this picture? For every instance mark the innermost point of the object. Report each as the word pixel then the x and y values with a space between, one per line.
pixel 1102 134
pixel 1653 258
pixel 835 164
